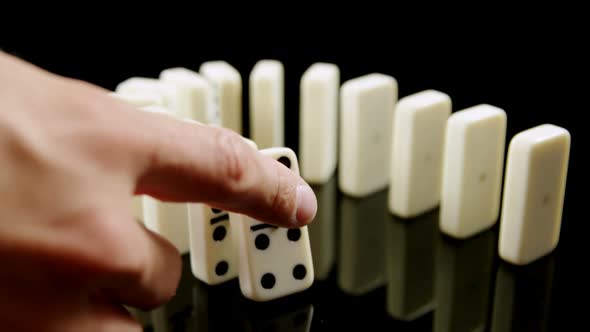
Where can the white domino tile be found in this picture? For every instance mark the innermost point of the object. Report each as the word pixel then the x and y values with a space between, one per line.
pixel 226 82
pixel 142 100
pixel 534 192
pixel 267 104
pixel 417 152
pixel 213 254
pixel 145 85
pixel 194 95
pixel 213 242
pixel 366 116
pixel 170 220
pixel 318 128
pixel 472 170
pixel 273 262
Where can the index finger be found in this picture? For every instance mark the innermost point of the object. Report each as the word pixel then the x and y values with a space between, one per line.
pixel 192 162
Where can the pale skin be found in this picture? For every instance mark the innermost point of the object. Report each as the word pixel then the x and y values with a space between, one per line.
pixel 71 255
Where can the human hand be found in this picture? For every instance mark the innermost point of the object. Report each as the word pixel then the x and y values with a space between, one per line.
pixel 72 156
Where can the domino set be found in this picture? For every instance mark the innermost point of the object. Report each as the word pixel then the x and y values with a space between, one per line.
pixel 416 148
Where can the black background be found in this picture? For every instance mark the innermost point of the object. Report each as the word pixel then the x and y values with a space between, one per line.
pixel 532 74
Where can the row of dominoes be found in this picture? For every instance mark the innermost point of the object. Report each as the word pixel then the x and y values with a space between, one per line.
pixel 430 157
pixel 269 261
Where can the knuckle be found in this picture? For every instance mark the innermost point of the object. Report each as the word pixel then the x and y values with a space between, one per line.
pixel 232 159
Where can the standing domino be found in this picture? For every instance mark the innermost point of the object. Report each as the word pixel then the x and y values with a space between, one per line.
pixel 472 170
pixel 267 104
pixel 274 262
pixel 166 218
pixel 213 247
pixel 227 88
pixel 318 132
pixel 167 91
pixel 417 152
pixel 139 99
pixel 194 95
pixel 367 104
pixel 534 191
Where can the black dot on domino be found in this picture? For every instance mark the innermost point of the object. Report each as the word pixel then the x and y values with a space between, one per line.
pixel 215 210
pixel 219 233
pixel 262 241
pixel 299 271
pixel 221 268
pixel 285 161
pixel 293 234
pixel 267 281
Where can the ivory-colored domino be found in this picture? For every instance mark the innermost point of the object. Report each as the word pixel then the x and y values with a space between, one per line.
pixel 227 89
pixel 213 247
pixel 140 99
pixel 318 129
pixel 166 218
pixel 534 191
pixel 273 262
pixel 367 107
pixel 194 95
pixel 267 104
pixel 169 220
pixel 417 152
pixel 151 86
pixel 472 170
pixel 214 258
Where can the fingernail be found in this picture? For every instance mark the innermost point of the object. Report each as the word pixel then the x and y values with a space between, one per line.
pixel 306 204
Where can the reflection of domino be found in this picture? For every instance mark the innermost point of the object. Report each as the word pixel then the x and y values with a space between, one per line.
pixel 417 152
pixel 472 170
pixel 534 191
pixel 318 132
pixel 274 261
pixel 227 93
pixel 194 94
pixel 153 86
pixel 267 104
pixel 367 106
pixel 361 243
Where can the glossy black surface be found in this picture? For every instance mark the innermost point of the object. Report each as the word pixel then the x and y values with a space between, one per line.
pixel 378 272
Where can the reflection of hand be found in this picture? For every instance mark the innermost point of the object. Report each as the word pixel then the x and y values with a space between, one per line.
pixel 70 252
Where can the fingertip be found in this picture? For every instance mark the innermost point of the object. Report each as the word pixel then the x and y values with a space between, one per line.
pixel 306 206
